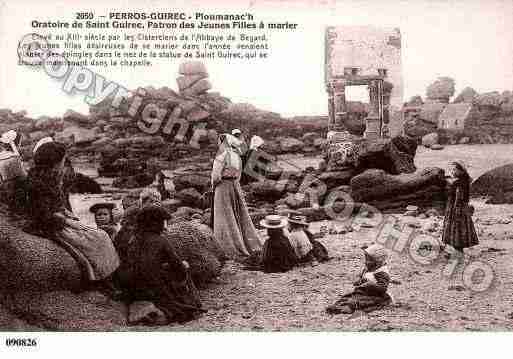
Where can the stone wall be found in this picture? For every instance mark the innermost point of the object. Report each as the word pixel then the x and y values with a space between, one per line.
pixel 369 49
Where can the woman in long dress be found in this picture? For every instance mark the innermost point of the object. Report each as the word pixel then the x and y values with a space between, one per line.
pixel 232 224
pixel 458 229
pixel 92 249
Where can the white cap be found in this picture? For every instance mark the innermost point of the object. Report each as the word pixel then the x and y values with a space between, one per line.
pixel 256 141
pixel 9 137
pixel 42 142
pixel 236 131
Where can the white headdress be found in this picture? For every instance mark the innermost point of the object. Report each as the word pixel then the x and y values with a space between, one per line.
pixel 256 141
pixel 9 138
pixel 42 142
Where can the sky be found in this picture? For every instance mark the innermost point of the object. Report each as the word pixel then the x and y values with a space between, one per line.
pixel 470 41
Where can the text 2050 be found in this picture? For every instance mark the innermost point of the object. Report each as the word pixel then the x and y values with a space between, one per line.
pixel 84 15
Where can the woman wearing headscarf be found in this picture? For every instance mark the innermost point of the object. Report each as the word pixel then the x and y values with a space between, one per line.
pixel 253 163
pixel 458 229
pixel 370 290
pixel 232 224
pixel 12 174
pixel 189 242
pixel 69 172
pixel 155 273
pixel 125 235
pixel 91 248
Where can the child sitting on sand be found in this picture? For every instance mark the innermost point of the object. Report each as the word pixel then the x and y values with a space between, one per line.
pixel 370 290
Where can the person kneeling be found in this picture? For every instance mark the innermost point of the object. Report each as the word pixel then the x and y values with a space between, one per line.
pixel 370 291
pixel 153 271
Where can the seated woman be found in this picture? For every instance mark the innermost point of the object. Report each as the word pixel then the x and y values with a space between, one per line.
pixel 370 290
pixel 12 174
pixel 277 254
pixel 104 218
pixel 125 235
pixel 153 271
pixel 92 249
pixel 303 242
pixel 191 242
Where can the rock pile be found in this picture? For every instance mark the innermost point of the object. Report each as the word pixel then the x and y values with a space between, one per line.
pixel 489 120
pixel 194 79
pixel 496 184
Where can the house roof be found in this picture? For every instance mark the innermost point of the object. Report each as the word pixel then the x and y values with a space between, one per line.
pixel 456 111
pixel 431 111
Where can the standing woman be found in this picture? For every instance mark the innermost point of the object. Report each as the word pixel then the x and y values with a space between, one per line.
pixel 458 230
pixel 232 224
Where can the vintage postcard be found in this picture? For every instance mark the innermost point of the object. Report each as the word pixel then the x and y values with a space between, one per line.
pixel 255 166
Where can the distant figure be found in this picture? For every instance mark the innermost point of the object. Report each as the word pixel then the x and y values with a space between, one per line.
pixel 130 199
pixel 161 186
pixel 104 218
pixel 370 290
pixel 278 255
pixel 154 272
pixel 254 162
pixel 458 229
pixel 232 224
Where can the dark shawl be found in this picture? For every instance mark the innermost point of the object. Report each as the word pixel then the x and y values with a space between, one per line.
pixel 278 254
pixel 155 273
pixel 46 197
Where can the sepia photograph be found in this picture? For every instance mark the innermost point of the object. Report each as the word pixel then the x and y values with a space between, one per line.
pixel 255 167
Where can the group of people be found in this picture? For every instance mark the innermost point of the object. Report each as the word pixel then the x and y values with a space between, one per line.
pixel 289 243
pixel 138 261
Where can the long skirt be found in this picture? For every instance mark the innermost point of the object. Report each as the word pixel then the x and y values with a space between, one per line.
pixel 91 248
pixel 459 231
pixel 233 227
pixel 358 300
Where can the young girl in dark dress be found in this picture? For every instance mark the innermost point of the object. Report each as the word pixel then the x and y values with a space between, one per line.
pixel 458 229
